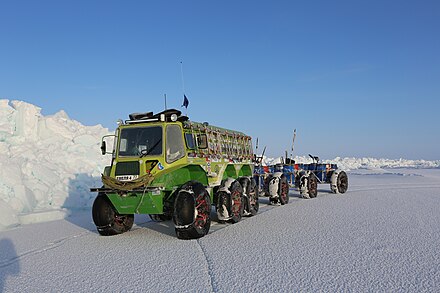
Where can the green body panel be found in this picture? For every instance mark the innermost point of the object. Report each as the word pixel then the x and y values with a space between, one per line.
pixel 246 170
pixel 140 203
pixel 176 176
pixel 230 172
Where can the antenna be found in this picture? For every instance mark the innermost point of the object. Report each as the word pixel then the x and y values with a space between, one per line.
pixel 165 98
pixel 293 143
pixel 185 100
pixel 181 74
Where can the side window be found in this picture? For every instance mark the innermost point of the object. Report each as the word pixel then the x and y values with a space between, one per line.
pixel 123 145
pixel 190 141
pixel 202 141
pixel 174 148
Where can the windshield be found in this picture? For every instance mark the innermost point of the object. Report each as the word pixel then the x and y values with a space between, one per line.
pixel 145 141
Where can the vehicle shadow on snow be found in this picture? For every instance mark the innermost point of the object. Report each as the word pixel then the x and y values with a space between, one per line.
pixel 167 227
pixel 325 191
pixel 9 262
pixel 145 224
pixel 79 201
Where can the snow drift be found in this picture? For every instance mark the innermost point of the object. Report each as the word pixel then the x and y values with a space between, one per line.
pixel 48 164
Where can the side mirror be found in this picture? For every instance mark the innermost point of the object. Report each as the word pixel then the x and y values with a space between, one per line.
pixel 103 148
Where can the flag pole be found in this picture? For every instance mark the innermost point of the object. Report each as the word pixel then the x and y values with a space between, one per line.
pixel 181 74
pixel 183 86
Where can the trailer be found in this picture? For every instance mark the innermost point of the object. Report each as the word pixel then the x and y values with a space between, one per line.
pixel 304 177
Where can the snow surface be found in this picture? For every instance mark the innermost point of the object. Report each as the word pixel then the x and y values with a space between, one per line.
pixel 382 235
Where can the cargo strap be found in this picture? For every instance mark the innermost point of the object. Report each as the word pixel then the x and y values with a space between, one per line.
pixel 127 185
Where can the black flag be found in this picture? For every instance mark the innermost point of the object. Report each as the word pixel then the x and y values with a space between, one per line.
pixel 185 102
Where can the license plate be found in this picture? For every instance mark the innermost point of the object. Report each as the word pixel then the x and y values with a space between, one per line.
pixel 127 177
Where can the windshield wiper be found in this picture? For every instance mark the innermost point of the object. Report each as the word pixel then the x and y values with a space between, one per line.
pixel 147 152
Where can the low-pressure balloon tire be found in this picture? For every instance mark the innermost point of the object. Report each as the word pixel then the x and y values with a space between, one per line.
pixel 223 206
pixel 250 201
pixel 107 220
pixel 313 186
pixel 237 205
pixel 283 190
pixel 342 182
pixel 192 211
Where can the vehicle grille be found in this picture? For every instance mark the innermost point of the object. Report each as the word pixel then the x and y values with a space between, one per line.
pixel 127 168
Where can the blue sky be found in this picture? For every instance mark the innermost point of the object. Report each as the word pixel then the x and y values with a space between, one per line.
pixel 355 78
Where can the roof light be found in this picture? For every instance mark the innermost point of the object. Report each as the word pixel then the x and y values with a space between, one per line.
pixel 174 117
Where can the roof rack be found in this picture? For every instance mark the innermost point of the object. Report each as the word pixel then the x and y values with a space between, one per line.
pixel 169 115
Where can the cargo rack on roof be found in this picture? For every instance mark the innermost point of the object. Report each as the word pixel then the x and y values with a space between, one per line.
pixel 169 115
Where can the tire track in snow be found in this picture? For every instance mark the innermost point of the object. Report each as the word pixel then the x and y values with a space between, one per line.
pixel 49 246
pixel 209 266
pixel 215 226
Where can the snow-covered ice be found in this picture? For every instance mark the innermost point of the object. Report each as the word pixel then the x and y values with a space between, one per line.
pixel 382 235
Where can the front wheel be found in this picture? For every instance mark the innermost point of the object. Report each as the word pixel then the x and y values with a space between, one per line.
pixel 192 211
pixel 339 182
pixel 107 220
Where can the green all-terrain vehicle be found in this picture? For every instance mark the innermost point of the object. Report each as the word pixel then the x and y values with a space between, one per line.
pixel 168 167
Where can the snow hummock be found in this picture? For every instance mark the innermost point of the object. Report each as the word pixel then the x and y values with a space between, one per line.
pixel 362 163
pixel 48 163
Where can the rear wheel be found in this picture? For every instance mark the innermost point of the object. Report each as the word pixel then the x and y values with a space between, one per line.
pixel 192 211
pixel 223 206
pixel 283 190
pixel 107 220
pixel 253 195
pixel 236 202
pixel 339 182
pixel 250 195
pixel 308 185
pixel 266 183
pixel 313 185
pixel 273 188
